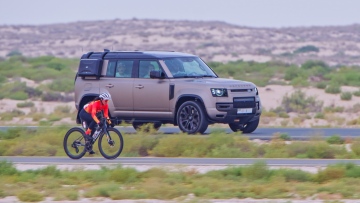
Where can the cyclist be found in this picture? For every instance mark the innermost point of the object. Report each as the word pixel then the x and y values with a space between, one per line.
pixel 88 115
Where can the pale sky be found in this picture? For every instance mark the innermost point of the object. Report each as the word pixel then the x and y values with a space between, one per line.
pixel 253 13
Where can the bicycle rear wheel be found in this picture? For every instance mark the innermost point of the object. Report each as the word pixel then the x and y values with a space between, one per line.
pixel 112 146
pixel 74 143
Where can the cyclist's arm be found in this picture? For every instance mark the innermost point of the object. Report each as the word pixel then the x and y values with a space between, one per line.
pixel 106 111
pixel 93 113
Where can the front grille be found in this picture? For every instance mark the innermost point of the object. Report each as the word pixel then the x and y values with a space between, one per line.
pixel 241 90
pixel 244 102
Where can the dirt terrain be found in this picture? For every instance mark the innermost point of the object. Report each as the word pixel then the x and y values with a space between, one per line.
pixel 211 40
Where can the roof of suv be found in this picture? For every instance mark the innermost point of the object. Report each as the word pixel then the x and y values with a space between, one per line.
pixel 134 54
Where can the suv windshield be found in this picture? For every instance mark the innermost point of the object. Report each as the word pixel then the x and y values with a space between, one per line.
pixel 186 67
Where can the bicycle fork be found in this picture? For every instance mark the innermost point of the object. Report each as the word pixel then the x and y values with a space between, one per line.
pixel 109 140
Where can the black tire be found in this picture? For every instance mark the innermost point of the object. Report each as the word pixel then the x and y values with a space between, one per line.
pixel 191 118
pixel 107 151
pixel 247 128
pixel 137 125
pixel 74 143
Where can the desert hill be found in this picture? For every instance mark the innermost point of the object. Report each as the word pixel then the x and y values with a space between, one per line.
pixel 211 40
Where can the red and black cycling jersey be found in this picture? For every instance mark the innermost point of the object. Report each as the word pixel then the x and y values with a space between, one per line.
pixel 95 107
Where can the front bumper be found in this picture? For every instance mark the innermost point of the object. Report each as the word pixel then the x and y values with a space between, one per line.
pixel 230 112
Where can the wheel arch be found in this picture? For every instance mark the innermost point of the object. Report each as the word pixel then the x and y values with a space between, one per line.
pixel 84 100
pixel 188 97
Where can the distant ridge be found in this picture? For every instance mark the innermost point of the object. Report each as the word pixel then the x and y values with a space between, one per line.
pixel 212 40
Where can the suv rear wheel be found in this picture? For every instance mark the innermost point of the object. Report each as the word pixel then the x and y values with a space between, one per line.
pixel 247 128
pixel 191 118
pixel 137 125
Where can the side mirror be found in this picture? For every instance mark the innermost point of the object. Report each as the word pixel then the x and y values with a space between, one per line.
pixel 156 74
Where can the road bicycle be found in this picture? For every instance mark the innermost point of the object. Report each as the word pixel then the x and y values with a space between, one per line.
pixel 110 141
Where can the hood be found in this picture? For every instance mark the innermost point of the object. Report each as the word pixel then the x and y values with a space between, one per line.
pixel 224 83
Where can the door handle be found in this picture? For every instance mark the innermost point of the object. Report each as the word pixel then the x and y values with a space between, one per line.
pixel 109 85
pixel 139 86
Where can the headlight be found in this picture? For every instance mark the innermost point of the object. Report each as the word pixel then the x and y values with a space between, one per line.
pixel 219 92
pixel 256 90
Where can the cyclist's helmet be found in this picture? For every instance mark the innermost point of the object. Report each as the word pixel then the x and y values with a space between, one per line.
pixel 105 96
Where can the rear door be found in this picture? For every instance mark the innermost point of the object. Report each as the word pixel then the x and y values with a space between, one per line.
pixel 151 95
pixel 120 85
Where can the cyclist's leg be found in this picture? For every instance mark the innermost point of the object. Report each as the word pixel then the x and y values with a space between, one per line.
pixel 84 116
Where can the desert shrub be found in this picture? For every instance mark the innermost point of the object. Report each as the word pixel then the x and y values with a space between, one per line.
pixel 294 72
pixel 355 147
pixel 52 96
pixel 352 170
pixel 25 104
pixel 346 96
pixel 321 85
pixel 30 195
pixel 7 168
pixel 307 48
pixel 335 139
pixel 2 79
pixel 333 89
pixel 33 92
pixel 18 96
pixel 62 85
pixel 333 109
pixel 299 82
pixel 294 175
pixel 9 115
pixel 298 102
pixel 124 175
pixel 319 115
pixel 12 133
pixel 14 53
pixel 330 173
pixel 258 170
pixel 357 93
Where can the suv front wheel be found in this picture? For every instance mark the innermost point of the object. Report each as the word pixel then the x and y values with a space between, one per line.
pixel 191 118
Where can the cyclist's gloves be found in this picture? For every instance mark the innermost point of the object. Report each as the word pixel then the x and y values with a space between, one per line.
pixel 108 121
pixel 101 124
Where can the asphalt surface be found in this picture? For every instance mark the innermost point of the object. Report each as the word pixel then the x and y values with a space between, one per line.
pixel 260 133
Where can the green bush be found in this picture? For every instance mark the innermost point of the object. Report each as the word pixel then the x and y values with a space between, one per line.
pixel 346 96
pixel 52 96
pixel 258 170
pixel 357 93
pixel 298 102
pixel 7 168
pixel 335 139
pixel 9 115
pixel 333 89
pixel 307 48
pixel 62 85
pixel 25 104
pixel 30 195
pixel 321 85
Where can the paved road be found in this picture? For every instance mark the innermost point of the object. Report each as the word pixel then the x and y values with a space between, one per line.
pixel 175 161
pixel 263 133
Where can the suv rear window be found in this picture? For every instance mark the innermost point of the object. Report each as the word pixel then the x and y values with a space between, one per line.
pixel 120 68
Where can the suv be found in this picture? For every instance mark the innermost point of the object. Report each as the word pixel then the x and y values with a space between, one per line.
pixel 166 87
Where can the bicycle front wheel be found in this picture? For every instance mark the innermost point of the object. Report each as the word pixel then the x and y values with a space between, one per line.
pixel 111 143
pixel 74 143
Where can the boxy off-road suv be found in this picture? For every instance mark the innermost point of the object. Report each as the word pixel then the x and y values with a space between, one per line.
pixel 166 87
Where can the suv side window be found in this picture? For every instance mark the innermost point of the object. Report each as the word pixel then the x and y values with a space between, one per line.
pixel 124 68
pixel 110 72
pixel 146 66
